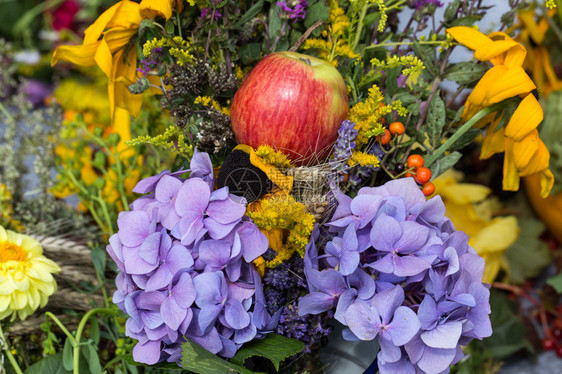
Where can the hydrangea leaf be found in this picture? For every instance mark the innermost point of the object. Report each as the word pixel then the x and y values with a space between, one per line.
pixel 274 347
pixel 199 360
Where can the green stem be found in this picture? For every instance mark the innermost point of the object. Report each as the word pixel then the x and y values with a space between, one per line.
pixel 4 347
pixel 61 326
pixel 461 131
pixel 392 44
pixel 360 25
pixel 179 23
pixel 6 113
pixel 81 326
pixel 555 29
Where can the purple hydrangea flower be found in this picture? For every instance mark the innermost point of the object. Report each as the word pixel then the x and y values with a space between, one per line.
pixel 397 271
pixel 184 255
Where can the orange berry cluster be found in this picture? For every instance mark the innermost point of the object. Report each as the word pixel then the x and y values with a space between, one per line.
pixel 422 174
pixel 395 128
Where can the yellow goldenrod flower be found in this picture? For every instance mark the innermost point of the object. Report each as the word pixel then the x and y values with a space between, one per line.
pixel 286 224
pixel 104 45
pixel 26 279
pixel 470 211
pixel 525 153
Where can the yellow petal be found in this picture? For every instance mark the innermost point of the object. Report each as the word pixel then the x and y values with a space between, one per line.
pixel 127 16
pixel 281 180
pixel 527 17
pixel 156 8
pixel 465 193
pixel 493 49
pixel 122 126
pixel 494 142
pixel 126 71
pixel 514 54
pixel 511 82
pixel 525 149
pixel 510 180
pixel 118 38
pixel 525 119
pixel 538 162
pixel 94 31
pixel 497 236
pixel 104 59
pixel 547 181
pixel 469 37
pixel 82 55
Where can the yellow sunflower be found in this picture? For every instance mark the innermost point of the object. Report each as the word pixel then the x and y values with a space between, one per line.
pixel 106 44
pixel 538 61
pixel 525 153
pixel 26 279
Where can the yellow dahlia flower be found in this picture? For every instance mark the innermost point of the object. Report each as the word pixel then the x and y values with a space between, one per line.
pixel 26 279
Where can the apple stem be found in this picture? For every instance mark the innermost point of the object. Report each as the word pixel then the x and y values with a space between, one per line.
pixel 306 60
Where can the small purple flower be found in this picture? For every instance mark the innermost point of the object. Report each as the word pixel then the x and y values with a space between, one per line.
pixel 293 9
pixel 427 3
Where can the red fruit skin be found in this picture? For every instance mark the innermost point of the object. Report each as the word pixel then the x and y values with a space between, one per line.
pixel 548 344
pixel 292 106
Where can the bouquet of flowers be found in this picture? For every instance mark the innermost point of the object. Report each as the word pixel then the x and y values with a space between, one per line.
pixel 278 181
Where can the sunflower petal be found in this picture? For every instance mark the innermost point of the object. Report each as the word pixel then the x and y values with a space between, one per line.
pixel 469 37
pixel 525 119
pixel 94 31
pixel 156 8
pixel 127 16
pixel 524 150
pixel 547 181
pixel 104 59
pixel 538 162
pixel 494 142
pixel 82 55
pixel 510 180
pixel 512 82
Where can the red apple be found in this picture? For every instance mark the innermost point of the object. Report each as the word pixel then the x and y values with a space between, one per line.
pixel 292 102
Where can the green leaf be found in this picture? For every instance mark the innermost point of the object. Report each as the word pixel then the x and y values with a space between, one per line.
pixel 250 13
pixel 93 359
pixel 392 80
pixel 95 331
pixel 274 347
pixel 404 95
pixel 465 73
pixel 556 282
pixel 67 361
pixel 199 360
pixel 435 120
pixel 275 23
pixel 371 18
pixel 53 365
pixel 451 11
pixel 465 21
pixel 465 139
pixel 316 12
pixel 425 53
pixel 442 165
pixel 98 259
pixel 528 256
pixel 509 334
pixel 249 53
